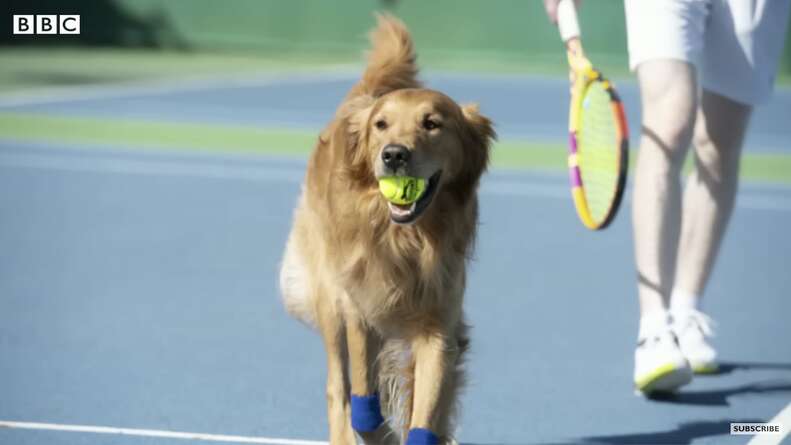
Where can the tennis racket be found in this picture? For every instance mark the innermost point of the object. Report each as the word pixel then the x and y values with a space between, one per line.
pixel 598 132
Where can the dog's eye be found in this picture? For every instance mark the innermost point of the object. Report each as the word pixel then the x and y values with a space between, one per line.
pixel 430 124
pixel 380 124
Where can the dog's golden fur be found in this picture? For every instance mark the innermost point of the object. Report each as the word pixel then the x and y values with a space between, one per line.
pixel 387 298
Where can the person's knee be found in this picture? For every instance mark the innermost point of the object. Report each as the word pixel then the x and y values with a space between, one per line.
pixel 718 137
pixel 669 95
pixel 706 152
pixel 668 122
pixel 715 166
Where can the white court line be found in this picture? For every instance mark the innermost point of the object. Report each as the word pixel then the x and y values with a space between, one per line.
pixel 784 419
pixel 155 433
pixel 258 173
pixel 164 86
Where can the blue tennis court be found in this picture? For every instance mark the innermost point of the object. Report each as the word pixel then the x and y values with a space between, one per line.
pixel 138 287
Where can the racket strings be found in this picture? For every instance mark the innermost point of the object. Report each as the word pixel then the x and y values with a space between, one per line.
pixel 598 151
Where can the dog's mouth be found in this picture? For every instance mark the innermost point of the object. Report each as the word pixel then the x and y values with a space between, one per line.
pixel 408 213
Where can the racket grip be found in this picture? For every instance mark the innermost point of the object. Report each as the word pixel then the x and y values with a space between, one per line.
pixel 567 20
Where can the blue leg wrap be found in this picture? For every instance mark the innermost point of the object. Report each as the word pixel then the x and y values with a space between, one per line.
pixel 421 436
pixel 366 413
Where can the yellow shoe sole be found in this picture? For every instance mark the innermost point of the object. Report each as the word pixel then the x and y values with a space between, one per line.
pixel 711 368
pixel 664 378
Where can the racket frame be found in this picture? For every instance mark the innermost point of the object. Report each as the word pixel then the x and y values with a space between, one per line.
pixel 584 80
pixel 583 77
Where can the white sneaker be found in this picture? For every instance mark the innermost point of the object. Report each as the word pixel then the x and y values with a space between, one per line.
pixel 659 365
pixel 693 328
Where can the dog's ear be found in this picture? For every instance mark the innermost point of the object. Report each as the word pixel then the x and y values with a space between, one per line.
pixel 355 113
pixel 480 125
pixel 352 134
pixel 478 138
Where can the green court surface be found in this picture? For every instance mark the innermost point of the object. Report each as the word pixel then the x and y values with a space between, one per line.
pixel 28 68
pixel 514 154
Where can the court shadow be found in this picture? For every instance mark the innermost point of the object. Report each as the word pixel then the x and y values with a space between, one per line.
pixel 485 443
pixel 687 432
pixel 729 367
pixel 719 397
pixel 683 434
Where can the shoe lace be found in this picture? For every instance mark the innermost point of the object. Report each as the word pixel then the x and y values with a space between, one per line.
pixel 701 321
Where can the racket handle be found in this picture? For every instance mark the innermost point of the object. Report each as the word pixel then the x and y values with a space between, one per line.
pixel 567 20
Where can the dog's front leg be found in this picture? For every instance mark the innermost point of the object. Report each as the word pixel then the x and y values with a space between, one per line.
pixel 434 389
pixel 330 321
pixel 364 345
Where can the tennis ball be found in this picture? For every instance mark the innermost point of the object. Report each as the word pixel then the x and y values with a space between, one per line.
pixel 402 189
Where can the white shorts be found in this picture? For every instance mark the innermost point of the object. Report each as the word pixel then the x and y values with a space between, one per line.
pixel 734 45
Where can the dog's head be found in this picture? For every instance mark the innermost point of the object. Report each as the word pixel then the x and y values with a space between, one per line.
pixel 420 133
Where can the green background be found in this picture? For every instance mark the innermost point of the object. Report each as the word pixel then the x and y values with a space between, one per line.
pixel 494 34
pixel 467 34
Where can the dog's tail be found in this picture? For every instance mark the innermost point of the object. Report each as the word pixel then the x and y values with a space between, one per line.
pixel 397 378
pixel 391 61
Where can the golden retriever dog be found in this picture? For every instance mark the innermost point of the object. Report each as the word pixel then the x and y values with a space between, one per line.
pixel 384 283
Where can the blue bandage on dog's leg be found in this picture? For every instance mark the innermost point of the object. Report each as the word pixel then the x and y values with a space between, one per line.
pixel 366 413
pixel 421 436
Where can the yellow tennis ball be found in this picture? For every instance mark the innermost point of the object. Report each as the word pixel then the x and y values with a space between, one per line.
pixel 402 189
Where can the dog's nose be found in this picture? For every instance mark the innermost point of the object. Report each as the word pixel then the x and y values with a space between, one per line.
pixel 395 156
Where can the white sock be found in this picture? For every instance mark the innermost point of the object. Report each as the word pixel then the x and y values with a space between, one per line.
pixel 682 301
pixel 651 322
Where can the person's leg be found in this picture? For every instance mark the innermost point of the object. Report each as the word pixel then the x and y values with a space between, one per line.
pixel 669 94
pixel 710 191
pixel 734 76
pixel 709 196
pixel 668 90
pixel 665 39
pixel 742 46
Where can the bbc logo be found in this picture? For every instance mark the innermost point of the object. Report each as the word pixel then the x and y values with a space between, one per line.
pixel 46 24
